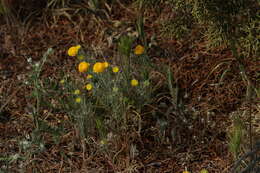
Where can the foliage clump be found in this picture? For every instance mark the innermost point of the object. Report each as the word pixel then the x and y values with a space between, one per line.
pixel 222 22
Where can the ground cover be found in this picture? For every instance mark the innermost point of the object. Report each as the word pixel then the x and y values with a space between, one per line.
pixel 186 123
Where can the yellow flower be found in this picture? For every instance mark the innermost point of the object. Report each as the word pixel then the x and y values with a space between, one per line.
pixel 89 76
pixel 139 50
pixel 106 64
pixel 78 100
pixel 77 92
pixel 134 82
pixel 83 66
pixel 115 69
pixel 73 51
pixel 89 87
pixel 62 81
pixel 98 67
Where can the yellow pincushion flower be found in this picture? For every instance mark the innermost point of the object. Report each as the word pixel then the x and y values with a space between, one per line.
pixel 134 82
pixel 77 92
pixel 106 64
pixel 83 66
pixel 139 50
pixel 89 87
pixel 115 69
pixel 89 76
pixel 98 67
pixel 73 51
pixel 78 100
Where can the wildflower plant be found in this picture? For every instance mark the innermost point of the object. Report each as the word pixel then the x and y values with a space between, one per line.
pixel 34 80
pixel 34 142
pixel 73 101
pixel 104 94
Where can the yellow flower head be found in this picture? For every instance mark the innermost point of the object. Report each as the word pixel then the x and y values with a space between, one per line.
pixel 98 67
pixel 89 87
pixel 62 81
pixel 77 92
pixel 89 76
pixel 139 50
pixel 83 66
pixel 106 64
pixel 73 51
pixel 134 82
pixel 115 69
pixel 78 100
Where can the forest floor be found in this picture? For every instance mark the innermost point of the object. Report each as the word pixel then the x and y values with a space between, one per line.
pixel 203 143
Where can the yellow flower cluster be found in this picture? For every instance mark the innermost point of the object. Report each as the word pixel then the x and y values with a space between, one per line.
pixel 115 69
pixel 105 64
pixel 134 82
pixel 139 50
pixel 78 100
pixel 89 76
pixel 99 67
pixel 89 87
pixel 83 66
pixel 73 51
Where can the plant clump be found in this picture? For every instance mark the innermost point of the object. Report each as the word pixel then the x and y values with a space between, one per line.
pixel 108 92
